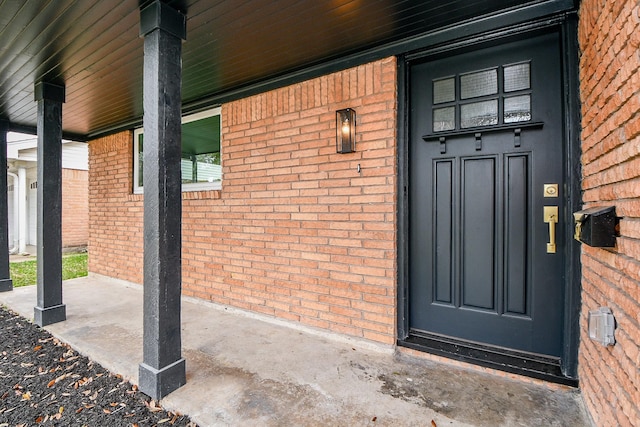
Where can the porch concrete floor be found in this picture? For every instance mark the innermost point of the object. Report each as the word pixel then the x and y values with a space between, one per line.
pixel 245 370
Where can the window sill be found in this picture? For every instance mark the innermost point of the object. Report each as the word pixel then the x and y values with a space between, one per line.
pixel 210 194
pixel 202 195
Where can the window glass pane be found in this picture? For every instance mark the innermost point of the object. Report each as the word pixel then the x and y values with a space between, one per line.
pixel 140 159
pixel 479 84
pixel 187 169
pixel 209 168
pixel 517 109
pixel 444 90
pixel 201 150
pixel 483 113
pixel 517 77
pixel 201 161
pixel 201 136
pixel 201 168
pixel 444 119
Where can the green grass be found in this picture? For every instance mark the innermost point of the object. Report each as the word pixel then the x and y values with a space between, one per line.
pixel 24 273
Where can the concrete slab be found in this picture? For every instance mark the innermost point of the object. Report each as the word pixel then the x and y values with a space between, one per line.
pixel 247 370
pixel 31 252
pixel 21 257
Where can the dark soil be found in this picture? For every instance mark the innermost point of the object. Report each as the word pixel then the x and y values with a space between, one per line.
pixel 44 382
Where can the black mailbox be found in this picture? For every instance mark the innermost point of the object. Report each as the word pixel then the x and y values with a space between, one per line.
pixel 597 226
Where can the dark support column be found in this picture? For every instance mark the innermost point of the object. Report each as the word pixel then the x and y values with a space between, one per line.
pixel 5 277
pixel 163 368
pixel 49 308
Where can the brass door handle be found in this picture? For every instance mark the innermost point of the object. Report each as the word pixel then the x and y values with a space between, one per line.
pixel 551 217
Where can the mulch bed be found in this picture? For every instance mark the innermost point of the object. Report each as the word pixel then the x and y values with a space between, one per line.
pixel 44 382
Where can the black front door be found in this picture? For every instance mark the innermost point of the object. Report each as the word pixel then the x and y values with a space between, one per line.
pixel 486 189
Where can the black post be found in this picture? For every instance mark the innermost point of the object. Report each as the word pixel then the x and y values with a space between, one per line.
pixel 163 369
pixel 49 308
pixel 5 277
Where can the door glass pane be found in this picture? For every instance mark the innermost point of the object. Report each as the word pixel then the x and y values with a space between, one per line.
pixel 444 90
pixel 517 77
pixel 517 109
pixel 444 119
pixel 479 84
pixel 483 113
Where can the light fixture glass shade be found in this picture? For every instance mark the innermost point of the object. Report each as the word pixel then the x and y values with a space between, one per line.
pixel 346 131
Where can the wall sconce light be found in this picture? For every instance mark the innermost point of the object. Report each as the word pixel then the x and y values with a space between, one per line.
pixel 346 131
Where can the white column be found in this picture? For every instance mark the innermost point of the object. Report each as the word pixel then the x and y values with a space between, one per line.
pixel 22 211
pixel 15 219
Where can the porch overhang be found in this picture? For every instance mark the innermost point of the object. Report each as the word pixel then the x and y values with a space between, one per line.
pixel 233 49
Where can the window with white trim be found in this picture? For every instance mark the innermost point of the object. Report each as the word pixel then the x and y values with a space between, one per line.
pixel 201 153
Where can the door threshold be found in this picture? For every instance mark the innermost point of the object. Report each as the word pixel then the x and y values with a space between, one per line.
pixel 532 365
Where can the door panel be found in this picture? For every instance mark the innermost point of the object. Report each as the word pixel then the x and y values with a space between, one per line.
pixel 516 219
pixel 443 231
pixel 485 136
pixel 478 205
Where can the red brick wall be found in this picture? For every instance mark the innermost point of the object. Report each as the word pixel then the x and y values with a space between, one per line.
pixel 115 214
pixel 75 208
pixel 609 37
pixel 296 231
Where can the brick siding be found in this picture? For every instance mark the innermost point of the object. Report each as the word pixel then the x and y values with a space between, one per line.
pixel 296 231
pixel 75 208
pixel 609 36
pixel 115 214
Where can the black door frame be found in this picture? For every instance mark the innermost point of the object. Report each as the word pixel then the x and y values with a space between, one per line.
pixel 566 372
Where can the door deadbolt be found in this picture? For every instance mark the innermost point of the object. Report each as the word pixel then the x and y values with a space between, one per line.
pixel 551 190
